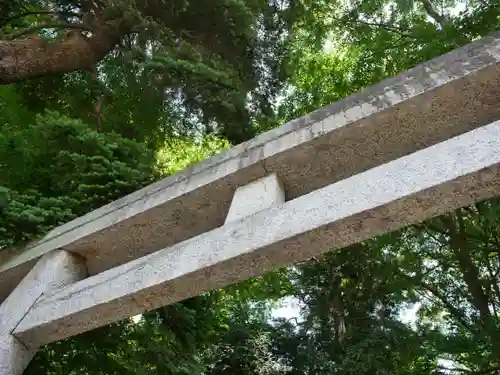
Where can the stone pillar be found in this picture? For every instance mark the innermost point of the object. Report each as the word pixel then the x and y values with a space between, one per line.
pixel 53 270
pixel 255 197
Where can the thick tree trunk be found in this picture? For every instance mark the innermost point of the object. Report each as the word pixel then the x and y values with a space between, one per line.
pixel 26 58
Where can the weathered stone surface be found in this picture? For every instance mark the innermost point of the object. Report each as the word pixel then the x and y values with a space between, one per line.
pixel 54 270
pixel 445 97
pixel 432 181
pixel 255 197
pixel 14 356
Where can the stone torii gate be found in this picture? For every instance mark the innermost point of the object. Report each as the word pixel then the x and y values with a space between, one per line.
pixel 415 146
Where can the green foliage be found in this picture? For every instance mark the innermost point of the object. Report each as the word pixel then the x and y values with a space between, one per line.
pixel 352 298
pixel 223 63
pixel 180 153
pixel 13 112
pixel 320 79
pixel 176 93
pixel 166 341
pixel 57 168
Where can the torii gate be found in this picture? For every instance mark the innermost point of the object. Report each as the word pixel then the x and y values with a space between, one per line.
pixel 415 146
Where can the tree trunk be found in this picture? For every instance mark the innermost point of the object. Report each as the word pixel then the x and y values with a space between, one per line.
pixel 431 12
pixel 337 308
pixel 470 273
pixel 26 58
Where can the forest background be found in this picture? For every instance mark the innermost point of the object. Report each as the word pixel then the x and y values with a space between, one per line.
pixel 100 98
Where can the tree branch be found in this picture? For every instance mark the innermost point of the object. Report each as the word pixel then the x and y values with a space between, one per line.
pixel 393 29
pixel 446 304
pixel 41 26
pixel 461 248
pixel 439 18
pixel 488 370
pixel 451 370
pixel 30 57
pixel 25 14
pixel 404 43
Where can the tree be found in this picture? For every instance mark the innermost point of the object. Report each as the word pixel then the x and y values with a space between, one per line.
pixel 57 169
pixel 85 31
pixel 158 97
pixel 223 62
pixel 352 297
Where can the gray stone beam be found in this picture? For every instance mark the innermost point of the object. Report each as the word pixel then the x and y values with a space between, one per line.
pixel 442 98
pixel 255 197
pixel 438 179
pixel 54 270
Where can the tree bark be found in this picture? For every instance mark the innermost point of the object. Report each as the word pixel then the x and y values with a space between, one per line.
pixel 337 308
pixel 471 275
pixel 470 272
pixel 431 12
pixel 26 58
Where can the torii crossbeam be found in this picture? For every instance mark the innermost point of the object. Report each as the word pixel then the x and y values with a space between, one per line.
pixel 415 146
